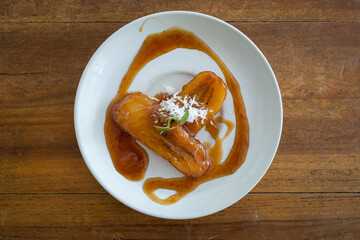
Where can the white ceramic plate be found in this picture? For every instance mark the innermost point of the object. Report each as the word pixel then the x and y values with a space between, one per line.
pixel 100 81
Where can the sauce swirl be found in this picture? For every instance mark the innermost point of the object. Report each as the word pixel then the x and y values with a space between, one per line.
pixel 131 160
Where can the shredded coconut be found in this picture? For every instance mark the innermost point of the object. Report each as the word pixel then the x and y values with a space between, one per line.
pixel 169 89
pixel 154 98
pixel 176 106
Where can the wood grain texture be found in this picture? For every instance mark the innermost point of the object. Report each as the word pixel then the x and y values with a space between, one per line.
pixel 312 188
pixel 40 171
pixel 94 216
pixel 128 10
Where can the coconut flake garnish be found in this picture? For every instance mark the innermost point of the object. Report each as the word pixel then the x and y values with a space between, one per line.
pixel 176 106
pixel 169 89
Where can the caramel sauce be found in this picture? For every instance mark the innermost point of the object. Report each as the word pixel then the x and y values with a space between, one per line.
pixel 142 25
pixel 215 151
pixel 185 185
pixel 155 45
pixel 128 157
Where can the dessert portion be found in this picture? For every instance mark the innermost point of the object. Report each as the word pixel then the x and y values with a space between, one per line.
pixel 140 115
pixel 168 123
pixel 208 90
pixel 137 114
pixel 128 157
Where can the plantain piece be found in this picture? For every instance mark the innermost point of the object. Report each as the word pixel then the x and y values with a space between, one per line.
pixel 136 113
pixel 209 90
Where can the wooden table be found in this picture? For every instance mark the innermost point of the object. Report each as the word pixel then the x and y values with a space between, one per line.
pixel 312 189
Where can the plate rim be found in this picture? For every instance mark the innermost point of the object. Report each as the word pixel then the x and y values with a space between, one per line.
pixel 82 81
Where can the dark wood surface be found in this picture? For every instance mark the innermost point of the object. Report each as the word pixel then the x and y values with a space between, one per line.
pixel 312 189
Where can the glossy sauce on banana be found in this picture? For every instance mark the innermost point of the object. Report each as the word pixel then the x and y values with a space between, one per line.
pixel 122 147
pixel 128 157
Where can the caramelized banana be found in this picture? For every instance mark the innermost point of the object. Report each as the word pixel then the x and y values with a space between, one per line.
pixel 135 113
pixel 209 90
